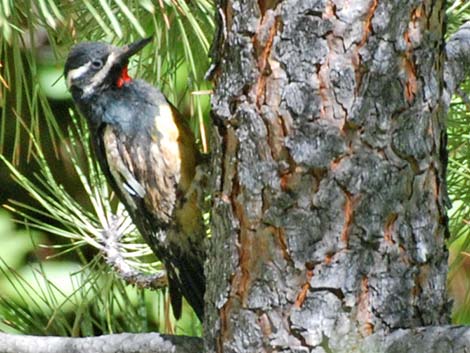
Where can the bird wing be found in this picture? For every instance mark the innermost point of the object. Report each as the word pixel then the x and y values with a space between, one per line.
pixel 154 164
pixel 120 167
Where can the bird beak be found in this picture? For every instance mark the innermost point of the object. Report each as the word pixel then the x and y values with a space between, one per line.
pixel 128 50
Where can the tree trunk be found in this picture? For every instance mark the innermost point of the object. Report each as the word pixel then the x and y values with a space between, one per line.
pixel 328 218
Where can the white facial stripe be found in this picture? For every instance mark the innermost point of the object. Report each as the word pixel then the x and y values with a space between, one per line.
pixel 101 74
pixel 76 73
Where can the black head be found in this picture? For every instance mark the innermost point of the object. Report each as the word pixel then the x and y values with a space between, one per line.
pixel 94 66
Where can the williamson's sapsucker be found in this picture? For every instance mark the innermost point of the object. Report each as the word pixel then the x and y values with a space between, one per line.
pixel 148 154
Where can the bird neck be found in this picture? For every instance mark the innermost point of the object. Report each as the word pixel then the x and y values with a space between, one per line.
pixel 123 78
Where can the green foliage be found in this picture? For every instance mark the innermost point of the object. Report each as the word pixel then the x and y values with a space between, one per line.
pixel 458 12
pixel 459 186
pixel 74 292
pixel 458 181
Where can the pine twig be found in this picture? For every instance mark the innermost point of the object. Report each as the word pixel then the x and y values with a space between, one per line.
pixel 115 258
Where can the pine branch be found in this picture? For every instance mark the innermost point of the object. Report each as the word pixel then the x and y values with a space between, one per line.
pixel 420 340
pixel 115 257
pixel 428 339
pixel 122 343
pixel 457 63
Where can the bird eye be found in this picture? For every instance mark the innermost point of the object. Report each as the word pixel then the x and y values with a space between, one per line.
pixel 97 64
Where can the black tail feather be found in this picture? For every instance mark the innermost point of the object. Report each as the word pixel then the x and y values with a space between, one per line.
pixel 188 281
pixel 175 298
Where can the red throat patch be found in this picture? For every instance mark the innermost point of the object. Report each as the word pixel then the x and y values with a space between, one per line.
pixel 124 78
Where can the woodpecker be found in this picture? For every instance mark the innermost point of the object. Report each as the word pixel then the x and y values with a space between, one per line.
pixel 148 154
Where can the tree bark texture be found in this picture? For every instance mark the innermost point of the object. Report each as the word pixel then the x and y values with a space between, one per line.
pixel 328 217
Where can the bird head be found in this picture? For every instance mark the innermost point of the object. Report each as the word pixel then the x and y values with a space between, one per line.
pixel 92 67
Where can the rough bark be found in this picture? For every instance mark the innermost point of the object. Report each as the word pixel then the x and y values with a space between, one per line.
pixel 329 218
